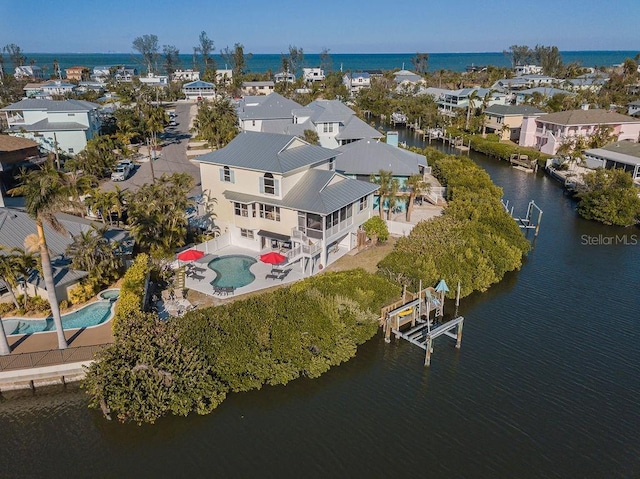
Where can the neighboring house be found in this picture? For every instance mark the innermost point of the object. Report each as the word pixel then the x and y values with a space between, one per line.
pixel 335 123
pixel 311 75
pixel 224 76
pixel 364 158
pixel 125 74
pixel 634 108
pixel 545 93
pixel 270 113
pixel 527 70
pixel 277 190
pixel 254 88
pixel 16 225
pixel 356 81
pixel 548 132
pixel 65 125
pixel 155 80
pixel 28 71
pixel 86 86
pixel 623 155
pixel 101 73
pixel 15 151
pixel 497 116
pixel 185 75
pixel 56 88
pixel 453 101
pixel 199 90
pixel 33 90
pixel 588 82
pixel 78 73
pixel 283 77
pixel 406 76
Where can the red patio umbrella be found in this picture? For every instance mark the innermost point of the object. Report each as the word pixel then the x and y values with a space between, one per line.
pixel 190 255
pixel 273 258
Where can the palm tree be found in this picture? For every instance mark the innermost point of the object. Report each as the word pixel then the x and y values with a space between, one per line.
pixel 392 196
pixel 46 192
pixel 505 129
pixel 384 181
pixel 8 275
pixel 417 186
pixel 24 263
pixel 473 96
pixel 91 251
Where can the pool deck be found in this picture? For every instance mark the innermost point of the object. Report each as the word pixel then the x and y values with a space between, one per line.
pixel 45 341
pixel 260 270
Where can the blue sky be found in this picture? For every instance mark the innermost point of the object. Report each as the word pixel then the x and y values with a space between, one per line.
pixel 372 26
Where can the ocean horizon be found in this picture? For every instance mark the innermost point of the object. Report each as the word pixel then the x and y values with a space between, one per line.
pixel 264 62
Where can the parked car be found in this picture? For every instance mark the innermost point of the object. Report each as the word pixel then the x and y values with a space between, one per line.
pixel 122 171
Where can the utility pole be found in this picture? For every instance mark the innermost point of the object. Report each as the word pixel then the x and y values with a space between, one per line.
pixel 55 146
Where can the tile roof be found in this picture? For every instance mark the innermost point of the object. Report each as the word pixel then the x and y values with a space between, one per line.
pixel 268 152
pixel 366 157
pixel 587 117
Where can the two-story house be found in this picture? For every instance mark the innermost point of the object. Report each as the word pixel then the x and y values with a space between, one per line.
pixel 271 113
pixel 55 125
pixel 278 190
pixel 284 77
pixel 185 75
pixel 335 123
pixel 199 90
pixel 56 88
pixel 28 71
pixel 506 120
pixel 356 81
pixel 311 75
pixel 634 108
pixel 78 73
pixel 548 132
pixel 455 101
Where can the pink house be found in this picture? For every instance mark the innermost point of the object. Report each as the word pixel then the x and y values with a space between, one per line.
pixel 548 132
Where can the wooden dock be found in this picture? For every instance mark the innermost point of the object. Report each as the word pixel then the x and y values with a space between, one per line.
pixel 528 222
pixel 413 311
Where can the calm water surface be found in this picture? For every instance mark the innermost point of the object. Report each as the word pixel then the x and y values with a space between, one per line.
pixel 545 385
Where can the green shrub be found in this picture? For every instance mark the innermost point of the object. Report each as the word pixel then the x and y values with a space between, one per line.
pixel 376 226
pixel 132 289
pixel 609 197
pixel 6 308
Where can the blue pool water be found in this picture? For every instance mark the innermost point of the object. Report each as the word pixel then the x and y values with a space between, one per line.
pixel 111 294
pixel 90 315
pixel 232 270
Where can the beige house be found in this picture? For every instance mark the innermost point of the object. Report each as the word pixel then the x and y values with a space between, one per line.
pixel 278 192
pixel 506 120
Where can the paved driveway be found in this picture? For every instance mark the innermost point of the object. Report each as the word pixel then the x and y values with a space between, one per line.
pixel 172 158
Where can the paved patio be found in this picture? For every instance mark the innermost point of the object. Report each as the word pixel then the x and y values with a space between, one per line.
pixel 201 281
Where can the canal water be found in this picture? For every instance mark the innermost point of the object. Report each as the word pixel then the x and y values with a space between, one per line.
pixel 546 385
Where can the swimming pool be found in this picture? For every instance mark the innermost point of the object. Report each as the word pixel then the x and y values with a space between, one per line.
pixel 87 316
pixel 232 271
pixel 110 294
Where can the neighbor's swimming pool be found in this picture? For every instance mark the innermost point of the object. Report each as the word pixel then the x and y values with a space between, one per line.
pixel 89 315
pixel 232 270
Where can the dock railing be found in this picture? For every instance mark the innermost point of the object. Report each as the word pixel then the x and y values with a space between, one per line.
pixel 51 357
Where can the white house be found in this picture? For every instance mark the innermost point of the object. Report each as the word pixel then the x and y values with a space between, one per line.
pixel 453 101
pixel 29 71
pixel 520 70
pixel 335 123
pixel 406 76
pixel 284 77
pixel 279 191
pixel 155 80
pixel 356 81
pixel 199 90
pixel 224 76
pixel 634 108
pixel 56 88
pixel 65 125
pixel 257 87
pixel 185 75
pixel 311 75
pixel 270 113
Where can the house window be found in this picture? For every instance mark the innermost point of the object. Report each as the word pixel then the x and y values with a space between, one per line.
pixel 270 212
pixel 241 210
pixel 327 127
pixel 253 123
pixel 70 150
pixel 71 114
pixel 226 175
pixel 269 185
pixel 245 233
pixel 364 203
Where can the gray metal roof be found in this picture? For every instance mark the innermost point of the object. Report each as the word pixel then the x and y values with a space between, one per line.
pixel 318 191
pixel 267 152
pixel 16 225
pixel 626 152
pixel 273 106
pixel 508 110
pixel 280 126
pixel 367 157
pixel 46 125
pixel 51 105
pixel 357 129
